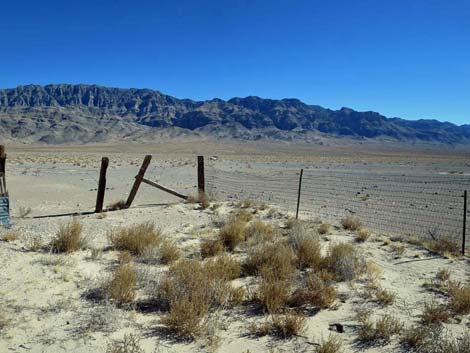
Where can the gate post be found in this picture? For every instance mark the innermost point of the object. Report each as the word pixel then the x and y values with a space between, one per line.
pixel 201 187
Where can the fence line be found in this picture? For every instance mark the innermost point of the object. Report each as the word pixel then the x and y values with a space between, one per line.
pixel 405 203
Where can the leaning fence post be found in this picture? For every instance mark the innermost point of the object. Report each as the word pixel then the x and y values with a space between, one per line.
pixel 201 187
pixel 464 221
pixel 298 195
pixel 138 180
pixel 101 185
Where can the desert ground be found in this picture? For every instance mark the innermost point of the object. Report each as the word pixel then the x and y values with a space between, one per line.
pixel 218 273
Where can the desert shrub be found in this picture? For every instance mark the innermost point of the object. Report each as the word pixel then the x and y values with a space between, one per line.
pixel 121 287
pixel 117 205
pixel 381 330
pixel 288 325
pixel 243 216
pixel 136 238
pixel 233 233
pixel 459 298
pixel 273 293
pixel 343 259
pixel 130 344
pixel 124 257
pixel 444 246
pixel 332 344
pixel 315 292
pixel 324 228
pixel 169 252
pixel 291 222
pixel 223 267
pixel 259 232
pixel 384 296
pixel 34 243
pixel 414 337
pixel 211 247
pixel 431 339
pixel 9 237
pixel 351 223
pixel 398 248
pixel 271 258
pixel 69 238
pixel 362 235
pixel 308 251
pixel 191 288
pixel 202 198
pixel 443 274
pixel 434 313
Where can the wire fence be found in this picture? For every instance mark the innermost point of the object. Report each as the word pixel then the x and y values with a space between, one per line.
pixel 386 201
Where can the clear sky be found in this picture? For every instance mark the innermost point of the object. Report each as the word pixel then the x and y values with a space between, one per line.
pixel 401 58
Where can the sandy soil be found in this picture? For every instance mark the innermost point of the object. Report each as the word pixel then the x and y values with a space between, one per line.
pixel 43 295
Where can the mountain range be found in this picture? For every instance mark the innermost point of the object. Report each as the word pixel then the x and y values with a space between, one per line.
pixel 65 113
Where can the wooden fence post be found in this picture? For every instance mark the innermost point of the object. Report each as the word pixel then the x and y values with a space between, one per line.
pixel 201 187
pixel 101 185
pixel 138 180
pixel 298 194
pixel 3 184
pixel 464 221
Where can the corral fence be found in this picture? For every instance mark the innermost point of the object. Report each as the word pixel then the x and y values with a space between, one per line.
pixel 430 205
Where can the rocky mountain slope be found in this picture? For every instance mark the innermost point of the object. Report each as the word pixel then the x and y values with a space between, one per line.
pixel 66 113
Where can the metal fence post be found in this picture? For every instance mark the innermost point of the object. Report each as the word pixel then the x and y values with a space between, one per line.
pixel 201 187
pixel 464 221
pixel 298 194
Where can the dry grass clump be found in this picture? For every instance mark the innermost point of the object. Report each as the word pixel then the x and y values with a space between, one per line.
pixel 324 228
pixel 362 235
pixel 315 292
pixel 398 248
pixel 169 252
pixel 117 205
pixel 233 233
pixel 351 223
pixel 130 344
pixel 245 204
pixel 202 198
pixel 277 258
pixel 384 297
pixel 332 344
pixel 288 325
pixel 380 331
pixel 443 274
pixel 343 259
pixel 282 326
pixel 223 267
pixel 121 288
pixel 34 243
pixel 459 297
pixel 211 247
pixel 259 232
pixel 444 246
pixel 433 313
pixel 243 216
pixel 136 238
pixel 273 293
pixel 414 337
pixel 9 237
pixel 69 238
pixel 308 251
pixel 191 288
pixel 432 339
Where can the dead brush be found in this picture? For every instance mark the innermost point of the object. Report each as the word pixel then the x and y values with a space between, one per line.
pixel 384 296
pixel 308 251
pixel 314 292
pixel 259 232
pixel 243 216
pixel 459 297
pixel 223 267
pixel 362 235
pixel 344 260
pixel 351 223
pixel 444 246
pixel 414 337
pixel 434 313
pixel 324 228
pixel 233 233
pixel 211 247
pixel 136 238
pixel 276 258
pixel 121 288
pixel 169 252
pixel 288 325
pixel 332 344
pixel 69 238
pixel 117 205
pixel 380 331
pixel 273 293
pixel 130 344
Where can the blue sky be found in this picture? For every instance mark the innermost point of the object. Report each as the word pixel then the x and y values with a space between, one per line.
pixel 401 58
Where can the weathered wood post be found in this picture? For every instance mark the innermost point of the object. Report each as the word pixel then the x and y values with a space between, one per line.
pixel 101 185
pixel 201 187
pixel 3 158
pixel 298 194
pixel 138 180
pixel 464 221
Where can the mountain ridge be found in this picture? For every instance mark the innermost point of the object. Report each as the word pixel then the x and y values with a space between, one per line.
pixel 61 113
